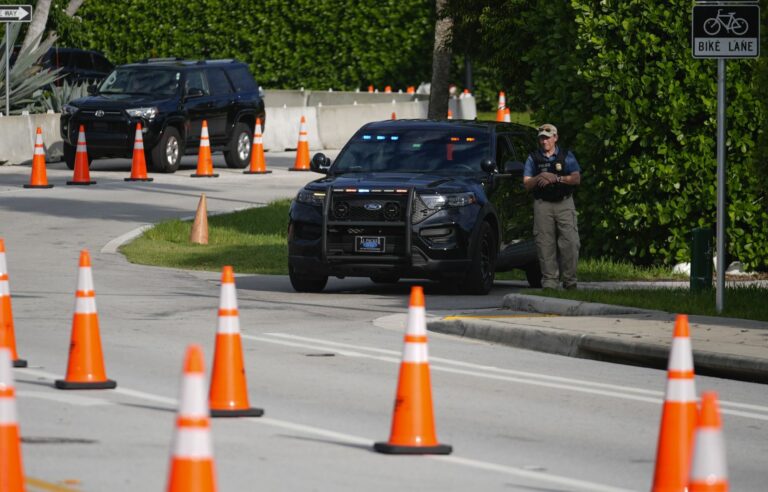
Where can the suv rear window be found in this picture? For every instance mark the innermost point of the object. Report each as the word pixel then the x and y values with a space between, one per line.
pixel 219 82
pixel 242 80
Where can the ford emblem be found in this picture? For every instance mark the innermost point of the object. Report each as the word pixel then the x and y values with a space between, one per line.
pixel 99 113
pixel 372 206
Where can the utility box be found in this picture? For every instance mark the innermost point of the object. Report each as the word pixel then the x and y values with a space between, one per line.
pixel 701 259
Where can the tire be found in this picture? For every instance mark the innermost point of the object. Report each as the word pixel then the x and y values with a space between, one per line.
pixel 384 278
pixel 533 275
pixel 165 156
pixel 739 26
pixel 238 152
pixel 69 156
pixel 711 26
pixel 306 282
pixel 482 271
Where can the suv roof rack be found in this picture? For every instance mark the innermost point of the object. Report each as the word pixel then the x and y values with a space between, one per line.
pixel 161 60
pixel 221 60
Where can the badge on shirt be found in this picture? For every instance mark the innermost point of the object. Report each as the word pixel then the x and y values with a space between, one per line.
pixel 558 167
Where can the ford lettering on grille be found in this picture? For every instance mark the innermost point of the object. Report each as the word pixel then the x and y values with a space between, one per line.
pixel 372 206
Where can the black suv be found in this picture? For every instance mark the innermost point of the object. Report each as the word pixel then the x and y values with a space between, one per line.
pixel 170 98
pixel 413 199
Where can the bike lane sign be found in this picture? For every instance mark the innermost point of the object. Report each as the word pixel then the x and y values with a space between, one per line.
pixel 726 31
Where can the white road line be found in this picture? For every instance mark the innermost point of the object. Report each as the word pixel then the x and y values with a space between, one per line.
pixel 540 477
pixel 483 371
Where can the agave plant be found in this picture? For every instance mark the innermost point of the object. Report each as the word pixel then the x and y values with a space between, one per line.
pixel 55 97
pixel 27 78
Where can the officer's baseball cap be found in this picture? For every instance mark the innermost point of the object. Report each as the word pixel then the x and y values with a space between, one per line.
pixel 547 130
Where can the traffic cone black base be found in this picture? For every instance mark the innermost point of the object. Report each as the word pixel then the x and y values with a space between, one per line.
pixel 386 448
pixel 247 412
pixel 81 183
pixel 256 172
pixel 69 385
pixel 303 170
pixel 20 363
pixel 204 175
pixel 37 186
pixel 138 179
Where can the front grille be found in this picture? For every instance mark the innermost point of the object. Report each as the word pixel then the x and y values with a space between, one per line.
pixel 368 208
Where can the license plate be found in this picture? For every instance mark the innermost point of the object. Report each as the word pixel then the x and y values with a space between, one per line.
pixel 369 244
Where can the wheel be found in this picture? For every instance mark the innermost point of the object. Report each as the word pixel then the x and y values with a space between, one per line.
pixel 482 271
pixel 165 156
pixel 711 26
pixel 533 275
pixel 385 278
pixel 739 26
pixel 238 153
pixel 302 282
pixel 69 156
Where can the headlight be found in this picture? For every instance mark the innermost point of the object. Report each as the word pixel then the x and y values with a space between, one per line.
pixel 436 202
pixel 427 205
pixel 146 113
pixel 68 109
pixel 311 197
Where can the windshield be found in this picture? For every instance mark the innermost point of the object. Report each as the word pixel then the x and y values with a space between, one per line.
pixel 449 151
pixel 141 81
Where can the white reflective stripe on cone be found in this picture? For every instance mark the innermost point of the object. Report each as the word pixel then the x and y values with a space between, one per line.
pixel 415 352
pixel 680 390
pixel 680 356
pixel 139 144
pixel 229 325
pixel 192 443
pixel 5 289
pixel 417 324
pixel 85 305
pixel 85 280
pixel 708 455
pixel 228 298
pixel 8 414
pixel 194 403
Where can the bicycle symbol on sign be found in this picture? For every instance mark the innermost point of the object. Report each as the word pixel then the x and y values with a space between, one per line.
pixel 729 22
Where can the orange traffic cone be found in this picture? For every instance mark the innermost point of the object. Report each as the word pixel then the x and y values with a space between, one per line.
pixel 708 469
pixel 39 178
pixel 11 469
pixel 258 163
pixel 678 418
pixel 370 88
pixel 82 174
pixel 502 105
pixel 86 361
pixel 394 115
pixel 450 114
pixel 302 150
pixel 7 333
pixel 139 162
pixel 507 116
pixel 388 89
pixel 204 159
pixel 192 467
pixel 229 389
pixel 413 425
pixel 411 89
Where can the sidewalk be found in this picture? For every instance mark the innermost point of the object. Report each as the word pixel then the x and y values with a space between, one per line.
pixel 722 347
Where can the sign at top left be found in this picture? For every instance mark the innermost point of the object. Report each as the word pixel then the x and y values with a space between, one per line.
pixel 15 13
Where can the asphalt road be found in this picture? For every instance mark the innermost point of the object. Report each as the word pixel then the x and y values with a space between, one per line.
pixel 323 366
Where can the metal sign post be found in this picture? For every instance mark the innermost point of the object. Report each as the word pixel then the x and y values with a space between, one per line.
pixel 724 30
pixel 11 13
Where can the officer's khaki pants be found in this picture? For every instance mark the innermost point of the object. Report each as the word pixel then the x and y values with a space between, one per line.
pixel 556 233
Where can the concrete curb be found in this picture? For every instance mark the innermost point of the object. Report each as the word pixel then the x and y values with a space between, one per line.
pixel 587 346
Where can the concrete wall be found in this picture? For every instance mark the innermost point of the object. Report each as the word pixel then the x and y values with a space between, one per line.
pixel 331 121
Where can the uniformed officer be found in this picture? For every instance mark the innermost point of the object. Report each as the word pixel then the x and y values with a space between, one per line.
pixel 551 174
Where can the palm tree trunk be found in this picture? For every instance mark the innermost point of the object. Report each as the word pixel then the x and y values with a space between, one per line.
pixel 441 63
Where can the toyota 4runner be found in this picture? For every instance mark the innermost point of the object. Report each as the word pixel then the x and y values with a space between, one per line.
pixel 170 98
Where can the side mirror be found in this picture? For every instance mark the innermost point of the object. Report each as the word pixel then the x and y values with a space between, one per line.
pixel 488 165
pixel 320 163
pixel 93 89
pixel 194 92
pixel 514 168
